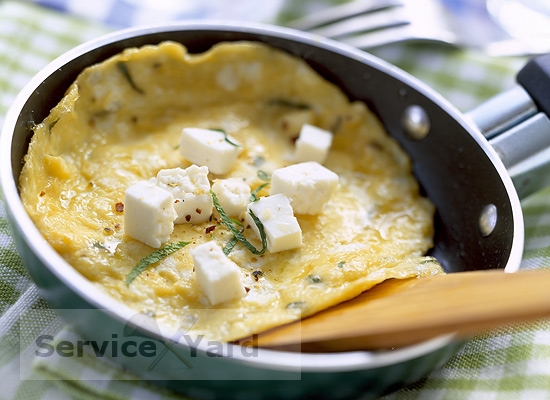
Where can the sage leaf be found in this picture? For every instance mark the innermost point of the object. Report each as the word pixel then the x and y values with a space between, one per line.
pixel 153 258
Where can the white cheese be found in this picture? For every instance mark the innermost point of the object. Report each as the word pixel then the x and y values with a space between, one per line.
pixel 218 276
pixel 281 226
pixel 190 189
pixel 309 186
pixel 149 213
pixel 233 195
pixel 313 144
pixel 211 148
pixel 234 76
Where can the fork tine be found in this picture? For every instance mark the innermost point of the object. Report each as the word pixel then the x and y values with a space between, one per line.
pixel 386 18
pixel 344 11
pixel 396 35
pixel 380 38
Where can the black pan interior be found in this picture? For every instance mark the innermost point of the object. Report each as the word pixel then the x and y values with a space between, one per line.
pixel 453 170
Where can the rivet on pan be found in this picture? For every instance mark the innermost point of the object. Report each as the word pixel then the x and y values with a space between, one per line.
pixel 488 219
pixel 415 122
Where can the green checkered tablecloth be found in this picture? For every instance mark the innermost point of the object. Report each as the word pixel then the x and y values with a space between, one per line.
pixel 509 363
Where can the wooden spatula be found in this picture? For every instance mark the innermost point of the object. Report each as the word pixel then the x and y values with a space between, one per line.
pixel 403 312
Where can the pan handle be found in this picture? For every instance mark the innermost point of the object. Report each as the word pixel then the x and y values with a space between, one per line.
pixel 517 125
pixel 535 78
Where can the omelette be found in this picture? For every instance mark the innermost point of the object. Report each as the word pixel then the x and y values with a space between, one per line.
pixel 121 123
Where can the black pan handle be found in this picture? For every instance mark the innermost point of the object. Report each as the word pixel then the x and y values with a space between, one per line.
pixel 517 125
pixel 535 79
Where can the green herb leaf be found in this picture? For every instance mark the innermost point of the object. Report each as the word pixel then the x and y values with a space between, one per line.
pixel 264 176
pixel 229 246
pixel 154 257
pixel 254 195
pixel 225 136
pixel 230 142
pixel 229 223
pixel 290 104
pixel 341 264
pixel 53 124
pixel 99 245
pixel 314 279
pixel 123 68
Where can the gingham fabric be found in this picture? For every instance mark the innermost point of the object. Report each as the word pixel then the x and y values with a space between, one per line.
pixel 509 363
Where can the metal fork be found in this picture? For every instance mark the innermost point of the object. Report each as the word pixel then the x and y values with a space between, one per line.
pixel 368 24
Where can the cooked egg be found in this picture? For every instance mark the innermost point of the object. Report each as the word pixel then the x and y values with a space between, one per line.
pixel 121 123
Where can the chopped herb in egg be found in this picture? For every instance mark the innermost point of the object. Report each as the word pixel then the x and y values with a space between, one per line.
pixel 123 68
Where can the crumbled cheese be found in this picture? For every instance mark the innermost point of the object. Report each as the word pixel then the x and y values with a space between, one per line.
pixel 210 148
pixel 281 226
pixel 190 188
pixel 234 76
pixel 233 195
pixel 218 276
pixel 313 144
pixel 309 186
pixel 149 213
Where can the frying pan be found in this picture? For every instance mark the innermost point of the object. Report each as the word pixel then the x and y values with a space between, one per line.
pixel 479 223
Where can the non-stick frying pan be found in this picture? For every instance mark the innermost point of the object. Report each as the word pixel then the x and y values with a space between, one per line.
pixel 479 223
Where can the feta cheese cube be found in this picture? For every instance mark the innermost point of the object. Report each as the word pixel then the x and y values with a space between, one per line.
pixel 149 213
pixel 233 195
pixel 211 148
pixel 190 189
pixel 309 186
pixel 217 275
pixel 313 144
pixel 281 226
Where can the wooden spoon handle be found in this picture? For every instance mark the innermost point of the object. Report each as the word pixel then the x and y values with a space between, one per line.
pixel 464 303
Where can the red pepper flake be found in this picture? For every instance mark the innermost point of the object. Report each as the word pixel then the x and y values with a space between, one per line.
pixel 119 207
pixel 210 229
pixel 117 226
pixel 247 289
pixel 42 193
pixel 188 218
pixel 198 210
